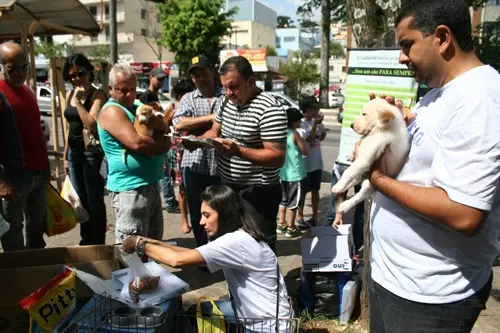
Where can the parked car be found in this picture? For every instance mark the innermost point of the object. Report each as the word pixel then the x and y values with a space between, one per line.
pixel 44 98
pixel 335 99
pixel 287 101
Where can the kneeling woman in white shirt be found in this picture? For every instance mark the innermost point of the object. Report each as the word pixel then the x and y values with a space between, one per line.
pixel 237 247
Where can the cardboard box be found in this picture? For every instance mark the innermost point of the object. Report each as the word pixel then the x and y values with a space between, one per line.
pixel 328 249
pixel 23 272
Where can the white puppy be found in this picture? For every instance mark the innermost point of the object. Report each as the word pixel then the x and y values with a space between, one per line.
pixel 379 124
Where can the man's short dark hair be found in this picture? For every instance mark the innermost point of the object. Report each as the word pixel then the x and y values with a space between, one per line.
pixel 238 63
pixel 429 14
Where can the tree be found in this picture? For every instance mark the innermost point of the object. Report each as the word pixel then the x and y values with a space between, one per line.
pixel 300 74
pixel 336 49
pixel 153 37
pixel 195 27
pixel 285 22
pixel 487 43
pixel 99 54
pixel 49 49
pixel 331 11
pixel 271 51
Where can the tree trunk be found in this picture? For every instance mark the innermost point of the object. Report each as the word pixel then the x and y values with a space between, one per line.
pixel 372 26
pixel 325 52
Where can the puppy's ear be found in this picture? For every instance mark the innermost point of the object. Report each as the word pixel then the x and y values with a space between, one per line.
pixel 384 117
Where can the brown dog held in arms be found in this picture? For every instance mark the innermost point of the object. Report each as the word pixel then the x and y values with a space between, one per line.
pixel 149 122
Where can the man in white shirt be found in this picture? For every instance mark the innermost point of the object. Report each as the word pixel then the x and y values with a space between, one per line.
pixel 435 228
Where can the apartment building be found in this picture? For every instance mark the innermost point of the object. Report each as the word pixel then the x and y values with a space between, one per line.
pixel 254 25
pixel 137 22
pixel 295 39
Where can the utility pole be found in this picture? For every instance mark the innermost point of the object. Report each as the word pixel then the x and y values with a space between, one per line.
pixel 113 33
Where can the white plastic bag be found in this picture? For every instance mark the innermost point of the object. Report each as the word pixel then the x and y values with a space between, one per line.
pixel 4 225
pixel 139 280
pixel 69 194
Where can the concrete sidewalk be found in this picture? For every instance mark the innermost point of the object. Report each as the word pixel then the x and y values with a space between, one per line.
pixel 288 250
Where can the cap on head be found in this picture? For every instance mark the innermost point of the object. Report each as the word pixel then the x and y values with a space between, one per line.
pixel 309 102
pixel 199 61
pixel 159 73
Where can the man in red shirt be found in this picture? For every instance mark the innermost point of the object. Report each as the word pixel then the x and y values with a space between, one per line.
pixel 22 191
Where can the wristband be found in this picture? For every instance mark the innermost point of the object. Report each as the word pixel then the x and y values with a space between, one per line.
pixel 141 248
pixel 137 242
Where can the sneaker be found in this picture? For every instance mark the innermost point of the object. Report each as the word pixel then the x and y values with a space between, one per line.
pixel 301 225
pixel 173 210
pixel 281 229
pixel 295 232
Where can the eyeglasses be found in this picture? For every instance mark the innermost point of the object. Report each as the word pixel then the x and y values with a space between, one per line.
pixel 15 68
pixel 78 74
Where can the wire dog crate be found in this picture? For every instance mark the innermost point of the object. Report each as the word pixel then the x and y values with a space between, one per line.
pixel 104 314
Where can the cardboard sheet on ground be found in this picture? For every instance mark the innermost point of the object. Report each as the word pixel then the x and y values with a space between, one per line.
pixel 376 71
pixel 170 285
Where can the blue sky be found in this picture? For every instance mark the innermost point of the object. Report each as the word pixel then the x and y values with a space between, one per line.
pixel 287 7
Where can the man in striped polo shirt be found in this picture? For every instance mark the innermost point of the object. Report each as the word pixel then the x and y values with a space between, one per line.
pixel 251 131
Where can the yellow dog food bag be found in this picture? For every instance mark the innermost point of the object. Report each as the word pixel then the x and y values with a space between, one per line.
pixel 50 305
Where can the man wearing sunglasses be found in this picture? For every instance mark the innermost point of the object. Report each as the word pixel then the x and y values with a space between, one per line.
pixel 24 195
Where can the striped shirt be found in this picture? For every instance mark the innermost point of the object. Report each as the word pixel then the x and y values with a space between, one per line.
pixel 262 120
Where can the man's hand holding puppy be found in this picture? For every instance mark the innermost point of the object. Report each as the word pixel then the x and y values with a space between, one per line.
pixel 430 202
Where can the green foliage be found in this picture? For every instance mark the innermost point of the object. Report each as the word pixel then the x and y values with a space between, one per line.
pixel 285 22
pixel 99 53
pixel 50 49
pixel 300 72
pixel 487 44
pixel 338 9
pixel 336 49
pixel 271 51
pixel 193 27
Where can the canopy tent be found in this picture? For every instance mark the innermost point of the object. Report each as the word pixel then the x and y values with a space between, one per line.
pixel 25 19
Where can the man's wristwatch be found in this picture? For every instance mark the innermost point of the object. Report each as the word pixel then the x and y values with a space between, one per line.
pixel 141 248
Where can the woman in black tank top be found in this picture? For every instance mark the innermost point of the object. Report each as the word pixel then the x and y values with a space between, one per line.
pixel 83 104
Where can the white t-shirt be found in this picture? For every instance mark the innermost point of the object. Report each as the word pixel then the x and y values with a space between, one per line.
pixel 455 145
pixel 314 159
pixel 250 271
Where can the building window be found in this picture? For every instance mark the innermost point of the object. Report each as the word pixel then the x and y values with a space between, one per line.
pixel 331 68
pixel 106 12
pixel 93 10
pixel 106 32
pixel 93 38
pixel 288 39
pixel 158 18
pixel 143 32
pixel 143 13
pixel 343 69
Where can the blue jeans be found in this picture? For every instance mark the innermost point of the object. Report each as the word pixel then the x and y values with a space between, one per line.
pixel 84 168
pixel 194 184
pixel 28 204
pixel 167 186
pixel 359 215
